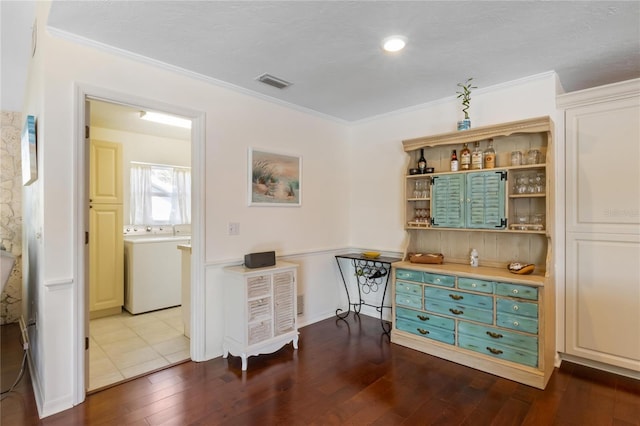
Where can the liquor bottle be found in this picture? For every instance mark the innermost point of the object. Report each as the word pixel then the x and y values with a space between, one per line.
pixel 490 156
pixel 465 158
pixel 422 162
pixel 454 161
pixel 476 157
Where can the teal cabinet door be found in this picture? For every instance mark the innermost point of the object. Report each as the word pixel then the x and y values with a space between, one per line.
pixel 485 200
pixel 448 201
pixel 470 200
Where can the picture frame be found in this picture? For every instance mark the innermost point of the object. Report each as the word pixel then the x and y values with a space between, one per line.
pixel 275 179
pixel 29 151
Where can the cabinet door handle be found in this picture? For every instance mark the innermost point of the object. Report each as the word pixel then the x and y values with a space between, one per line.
pixel 515 307
pixel 456 297
pixel 456 311
pixel 422 331
pixel 423 317
pixel 494 335
pixel 494 351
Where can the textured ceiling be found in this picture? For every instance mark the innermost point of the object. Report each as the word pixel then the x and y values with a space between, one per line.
pixel 330 50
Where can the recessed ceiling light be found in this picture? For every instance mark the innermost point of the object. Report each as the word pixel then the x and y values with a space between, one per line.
pixel 394 43
pixel 171 120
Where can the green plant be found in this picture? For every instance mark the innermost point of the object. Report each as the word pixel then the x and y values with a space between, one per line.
pixel 465 94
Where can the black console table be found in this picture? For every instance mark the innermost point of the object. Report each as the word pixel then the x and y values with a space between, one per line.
pixel 372 275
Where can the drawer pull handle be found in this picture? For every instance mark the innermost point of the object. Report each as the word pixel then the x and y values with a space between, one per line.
pixel 456 312
pixel 456 297
pixel 516 323
pixel 437 280
pixel 494 351
pixel 494 335
pixel 514 291
pixel 423 317
pixel 422 331
pixel 474 285
pixel 515 307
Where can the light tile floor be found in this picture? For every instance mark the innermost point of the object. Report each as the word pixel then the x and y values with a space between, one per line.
pixel 124 346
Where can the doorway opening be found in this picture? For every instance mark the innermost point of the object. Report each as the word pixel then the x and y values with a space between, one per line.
pixel 138 321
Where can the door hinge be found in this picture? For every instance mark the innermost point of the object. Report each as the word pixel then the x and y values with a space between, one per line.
pixel 503 223
pixel 86 132
pixel 503 175
pixel 86 343
pixel 86 237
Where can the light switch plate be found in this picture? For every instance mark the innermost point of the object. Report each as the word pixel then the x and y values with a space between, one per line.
pixel 233 229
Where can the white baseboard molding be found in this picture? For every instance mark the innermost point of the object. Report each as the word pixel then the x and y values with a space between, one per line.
pixel 601 366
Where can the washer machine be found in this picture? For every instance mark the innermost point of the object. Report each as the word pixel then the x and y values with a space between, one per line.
pixel 152 268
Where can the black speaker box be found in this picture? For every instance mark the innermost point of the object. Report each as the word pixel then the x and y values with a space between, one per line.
pixel 260 260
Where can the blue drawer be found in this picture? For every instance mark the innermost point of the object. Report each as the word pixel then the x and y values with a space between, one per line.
pixel 409 300
pixel 476 285
pixel 514 290
pixel 408 288
pixel 408 275
pixel 515 322
pixel 459 311
pixel 469 299
pixel 437 279
pixel 424 330
pixel 423 317
pixel 502 337
pixel 497 350
pixel 514 307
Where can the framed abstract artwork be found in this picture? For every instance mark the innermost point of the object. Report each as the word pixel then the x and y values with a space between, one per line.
pixel 275 179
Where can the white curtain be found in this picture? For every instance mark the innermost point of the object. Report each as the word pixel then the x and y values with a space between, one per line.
pixel 181 197
pixel 140 203
pixel 178 194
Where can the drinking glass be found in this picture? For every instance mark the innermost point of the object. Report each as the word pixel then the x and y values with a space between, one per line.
pixel 418 189
pixel 521 184
pixel 531 186
pixel 539 182
pixel 538 221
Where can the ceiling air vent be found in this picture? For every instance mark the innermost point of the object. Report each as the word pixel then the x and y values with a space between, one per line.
pixel 276 82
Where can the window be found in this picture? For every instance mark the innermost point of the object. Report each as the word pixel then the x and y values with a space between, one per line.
pixel 160 195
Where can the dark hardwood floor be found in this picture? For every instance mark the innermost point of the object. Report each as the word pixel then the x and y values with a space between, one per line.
pixel 345 373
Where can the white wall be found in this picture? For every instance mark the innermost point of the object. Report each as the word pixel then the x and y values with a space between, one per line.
pixel 379 162
pixel 351 183
pixel 234 122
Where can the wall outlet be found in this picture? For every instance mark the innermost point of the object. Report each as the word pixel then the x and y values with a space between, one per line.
pixel 233 228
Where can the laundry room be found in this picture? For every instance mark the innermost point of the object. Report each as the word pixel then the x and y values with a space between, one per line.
pixel 139 215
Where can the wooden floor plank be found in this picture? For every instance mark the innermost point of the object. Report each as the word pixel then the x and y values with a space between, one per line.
pixel 344 373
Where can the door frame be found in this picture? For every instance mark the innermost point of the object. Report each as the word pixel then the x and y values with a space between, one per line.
pixel 81 178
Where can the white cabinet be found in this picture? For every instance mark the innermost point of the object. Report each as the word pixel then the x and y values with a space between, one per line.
pixel 602 128
pixel 259 310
